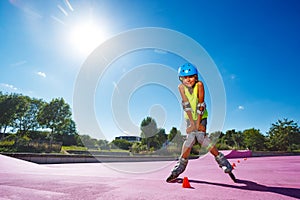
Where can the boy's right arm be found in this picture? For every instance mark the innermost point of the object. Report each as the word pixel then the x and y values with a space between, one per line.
pixel 192 126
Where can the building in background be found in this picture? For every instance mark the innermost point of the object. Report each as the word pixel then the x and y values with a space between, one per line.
pixel 129 138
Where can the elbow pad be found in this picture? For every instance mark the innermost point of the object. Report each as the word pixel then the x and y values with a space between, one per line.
pixel 201 108
pixel 186 106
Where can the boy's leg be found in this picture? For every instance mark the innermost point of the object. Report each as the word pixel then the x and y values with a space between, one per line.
pixel 219 157
pixel 183 159
pixel 222 161
pixel 204 140
pixel 185 152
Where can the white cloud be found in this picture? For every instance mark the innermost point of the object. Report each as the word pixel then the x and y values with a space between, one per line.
pixel 241 108
pixel 8 86
pixel 42 74
pixel 19 63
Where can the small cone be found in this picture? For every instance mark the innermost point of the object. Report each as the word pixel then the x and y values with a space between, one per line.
pixel 238 161
pixel 186 183
pixel 233 165
pixel 245 158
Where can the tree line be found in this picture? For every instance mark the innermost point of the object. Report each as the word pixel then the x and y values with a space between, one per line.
pixel 38 125
pixel 283 135
pixel 23 114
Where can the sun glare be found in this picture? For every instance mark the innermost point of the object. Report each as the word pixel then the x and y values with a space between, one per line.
pixel 85 37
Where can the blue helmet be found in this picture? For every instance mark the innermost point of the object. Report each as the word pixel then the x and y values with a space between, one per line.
pixel 187 70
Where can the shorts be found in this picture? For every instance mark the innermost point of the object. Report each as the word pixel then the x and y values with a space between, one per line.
pixel 200 136
pixel 203 122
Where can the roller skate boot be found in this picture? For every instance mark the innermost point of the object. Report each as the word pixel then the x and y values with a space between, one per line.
pixel 223 163
pixel 178 169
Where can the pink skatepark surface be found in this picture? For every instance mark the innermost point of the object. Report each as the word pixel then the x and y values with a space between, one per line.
pixel 264 178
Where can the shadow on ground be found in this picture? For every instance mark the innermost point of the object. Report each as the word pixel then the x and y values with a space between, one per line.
pixel 253 186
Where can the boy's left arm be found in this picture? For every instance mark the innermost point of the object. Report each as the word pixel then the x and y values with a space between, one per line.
pixel 200 106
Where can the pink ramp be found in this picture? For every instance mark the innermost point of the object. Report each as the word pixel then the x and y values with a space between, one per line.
pixel 237 154
pixel 265 178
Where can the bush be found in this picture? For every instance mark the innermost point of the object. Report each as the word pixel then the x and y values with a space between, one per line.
pixel 23 144
pixel 137 147
pixel 221 146
pixel 122 144
pixel 7 146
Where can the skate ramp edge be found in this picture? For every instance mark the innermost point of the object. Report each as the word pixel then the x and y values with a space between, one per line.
pixel 238 154
pixel 9 164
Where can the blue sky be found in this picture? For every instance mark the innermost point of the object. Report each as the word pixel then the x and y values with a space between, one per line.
pixel 254 44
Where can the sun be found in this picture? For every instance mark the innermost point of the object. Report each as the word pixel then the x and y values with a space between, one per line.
pixel 86 36
pixel 84 30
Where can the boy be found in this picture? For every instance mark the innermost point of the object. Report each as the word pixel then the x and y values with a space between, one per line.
pixel 192 94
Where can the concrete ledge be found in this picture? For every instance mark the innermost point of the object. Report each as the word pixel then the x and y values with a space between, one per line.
pixel 40 158
pixel 273 153
pixel 61 158
pixel 96 153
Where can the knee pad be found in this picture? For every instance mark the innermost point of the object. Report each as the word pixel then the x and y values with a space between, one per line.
pixel 204 140
pixel 190 140
pixel 200 137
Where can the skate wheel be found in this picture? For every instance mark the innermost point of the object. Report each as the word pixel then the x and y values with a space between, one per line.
pixel 171 179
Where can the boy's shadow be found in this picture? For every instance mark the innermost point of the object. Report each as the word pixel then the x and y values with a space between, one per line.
pixel 250 185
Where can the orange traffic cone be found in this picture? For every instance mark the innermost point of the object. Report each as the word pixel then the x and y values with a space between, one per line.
pixel 186 183
pixel 233 165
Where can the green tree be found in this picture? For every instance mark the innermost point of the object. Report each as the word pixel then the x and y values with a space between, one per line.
pixel 254 140
pixel 30 119
pixel 233 139
pixel 26 114
pixel 69 134
pixel 218 138
pixel 149 129
pixel 160 139
pixel 175 137
pixel 103 144
pixel 22 106
pixel 238 139
pixel 8 110
pixel 228 138
pixel 56 116
pixel 88 142
pixel 284 135
pixel 152 136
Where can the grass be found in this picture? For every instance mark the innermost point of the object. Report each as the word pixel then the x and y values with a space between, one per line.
pixel 7 143
pixel 114 150
pixel 74 148
pixel 79 148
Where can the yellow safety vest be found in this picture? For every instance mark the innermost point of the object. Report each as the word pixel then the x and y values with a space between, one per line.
pixel 193 99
